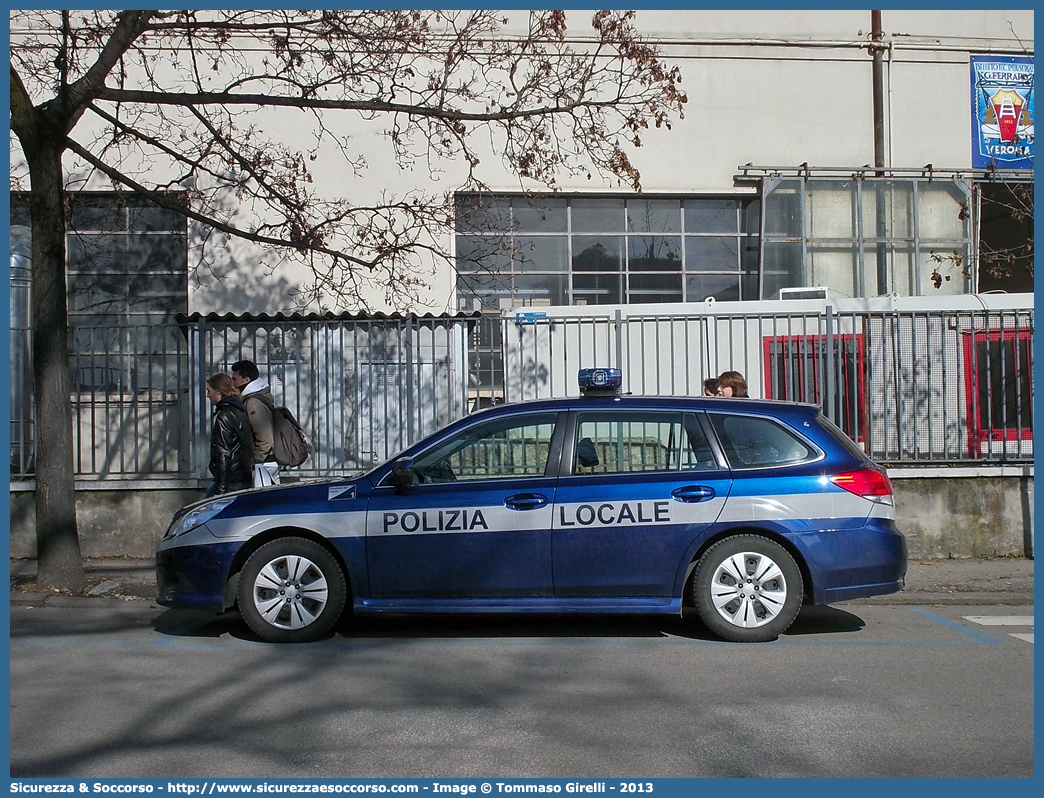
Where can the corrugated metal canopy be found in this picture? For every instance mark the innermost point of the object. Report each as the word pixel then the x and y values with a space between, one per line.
pixel 183 318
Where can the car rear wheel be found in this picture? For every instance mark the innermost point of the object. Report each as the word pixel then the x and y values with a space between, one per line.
pixel 292 590
pixel 747 589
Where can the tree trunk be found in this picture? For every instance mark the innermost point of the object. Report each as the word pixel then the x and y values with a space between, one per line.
pixel 59 565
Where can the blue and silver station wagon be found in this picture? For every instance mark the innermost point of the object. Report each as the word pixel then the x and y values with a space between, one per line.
pixel 740 508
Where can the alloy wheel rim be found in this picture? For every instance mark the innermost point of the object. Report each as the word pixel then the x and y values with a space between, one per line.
pixel 748 589
pixel 290 592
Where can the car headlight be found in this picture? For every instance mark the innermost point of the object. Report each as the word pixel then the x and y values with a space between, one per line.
pixel 197 517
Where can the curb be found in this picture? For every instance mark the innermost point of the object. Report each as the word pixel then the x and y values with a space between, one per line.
pixel 997 598
pixel 77 602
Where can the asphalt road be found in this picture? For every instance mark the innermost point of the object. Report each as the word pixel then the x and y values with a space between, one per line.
pixel 127 689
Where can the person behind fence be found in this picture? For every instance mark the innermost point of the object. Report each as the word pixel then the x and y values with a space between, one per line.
pixel 231 464
pixel 732 383
pixel 710 386
pixel 257 396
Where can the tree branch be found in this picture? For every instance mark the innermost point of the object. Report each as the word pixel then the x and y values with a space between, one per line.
pixel 21 109
pixel 366 106
pixel 165 202
pixel 129 26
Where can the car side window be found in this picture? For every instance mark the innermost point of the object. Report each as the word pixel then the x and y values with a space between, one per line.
pixel 613 442
pixel 754 442
pixel 499 449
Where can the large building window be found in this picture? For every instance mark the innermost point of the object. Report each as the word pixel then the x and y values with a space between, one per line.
pixel 863 237
pixel 857 236
pixel 127 279
pixel 127 262
pixel 584 250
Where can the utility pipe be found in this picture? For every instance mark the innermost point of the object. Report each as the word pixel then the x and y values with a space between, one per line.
pixel 877 51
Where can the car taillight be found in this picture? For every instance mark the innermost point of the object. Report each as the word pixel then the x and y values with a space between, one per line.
pixel 866 482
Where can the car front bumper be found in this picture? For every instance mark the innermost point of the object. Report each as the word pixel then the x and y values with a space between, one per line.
pixel 195 577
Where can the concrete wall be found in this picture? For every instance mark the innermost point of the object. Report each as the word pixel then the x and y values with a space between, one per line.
pixel 964 514
pixel 124 521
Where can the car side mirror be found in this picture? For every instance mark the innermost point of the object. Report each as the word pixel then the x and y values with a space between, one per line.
pixel 402 474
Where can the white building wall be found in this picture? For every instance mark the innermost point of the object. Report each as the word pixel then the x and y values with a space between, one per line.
pixel 766 87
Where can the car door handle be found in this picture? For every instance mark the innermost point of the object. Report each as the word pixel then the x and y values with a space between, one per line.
pixel 693 493
pixel 525 501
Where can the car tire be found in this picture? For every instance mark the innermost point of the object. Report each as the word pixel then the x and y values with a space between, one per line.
pixel 291 590
pixel 747 589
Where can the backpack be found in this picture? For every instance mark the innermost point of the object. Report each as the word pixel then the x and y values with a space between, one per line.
pixel 290 445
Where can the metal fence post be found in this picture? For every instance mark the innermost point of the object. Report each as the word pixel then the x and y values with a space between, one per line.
pixel 830 388
pixel 200 439
pixel 619 340
pixel 409 382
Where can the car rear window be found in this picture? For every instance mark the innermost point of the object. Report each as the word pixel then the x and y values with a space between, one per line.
pixel 757 442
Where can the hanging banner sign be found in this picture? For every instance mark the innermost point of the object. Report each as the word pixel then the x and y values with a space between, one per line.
pixel 1002 112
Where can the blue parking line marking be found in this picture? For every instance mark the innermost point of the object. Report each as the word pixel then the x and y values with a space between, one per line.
pixel 974 633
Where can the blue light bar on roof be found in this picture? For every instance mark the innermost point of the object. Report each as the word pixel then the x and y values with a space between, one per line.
pixel 601 379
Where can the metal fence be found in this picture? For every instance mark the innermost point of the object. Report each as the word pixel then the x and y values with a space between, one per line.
pixel 912 386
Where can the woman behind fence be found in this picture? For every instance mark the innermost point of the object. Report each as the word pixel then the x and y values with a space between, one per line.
pixel 231 461
pixel 732 383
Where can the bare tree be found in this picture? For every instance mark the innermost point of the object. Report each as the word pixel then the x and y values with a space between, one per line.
pixel 1004 238
pixel 151 101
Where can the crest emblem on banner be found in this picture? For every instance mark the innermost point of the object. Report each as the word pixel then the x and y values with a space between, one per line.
pixel 1002 112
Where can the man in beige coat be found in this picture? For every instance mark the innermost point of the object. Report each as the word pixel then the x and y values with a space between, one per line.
pixel 257 396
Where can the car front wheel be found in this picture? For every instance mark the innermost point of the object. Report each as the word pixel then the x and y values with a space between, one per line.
pixel 747 589
pixel 292 590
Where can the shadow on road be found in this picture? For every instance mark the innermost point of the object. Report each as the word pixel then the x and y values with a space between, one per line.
pixel 199 624
pixel 825 620
pixel 812 620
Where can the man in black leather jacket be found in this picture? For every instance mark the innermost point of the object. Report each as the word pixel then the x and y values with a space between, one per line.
pixel 231 460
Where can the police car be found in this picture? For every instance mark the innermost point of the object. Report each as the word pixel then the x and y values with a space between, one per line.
pixel 743 509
